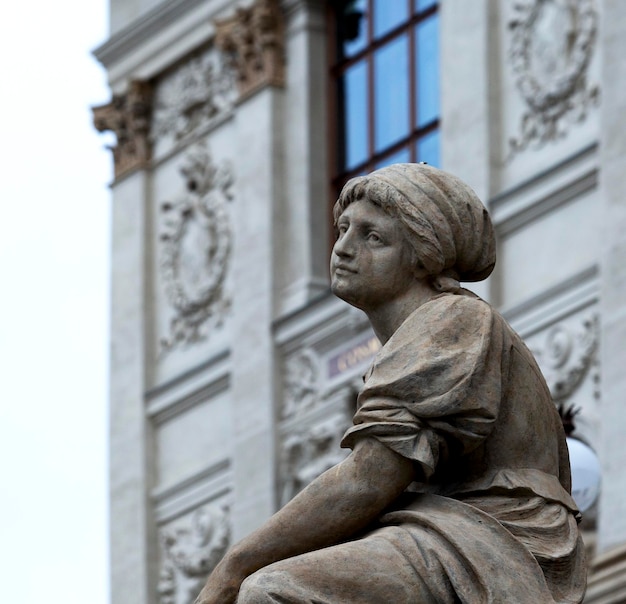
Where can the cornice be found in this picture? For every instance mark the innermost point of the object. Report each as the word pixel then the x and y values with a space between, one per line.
pixel 141 30
pixel 151 24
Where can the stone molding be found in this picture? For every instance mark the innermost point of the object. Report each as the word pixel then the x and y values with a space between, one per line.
pixel 190 553
pixel 196 241
pixel 607 577
pixel 253 42
pixel 550 66
pixel 128 116
pixel 146 27
pixel 194 95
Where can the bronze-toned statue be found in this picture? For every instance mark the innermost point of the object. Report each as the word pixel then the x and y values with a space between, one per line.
pixel 458 485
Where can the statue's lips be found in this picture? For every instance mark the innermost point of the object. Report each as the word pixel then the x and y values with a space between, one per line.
pixel 342 269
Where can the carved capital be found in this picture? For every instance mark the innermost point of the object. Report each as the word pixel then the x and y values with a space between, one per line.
pixel 253 40
pixel 128 116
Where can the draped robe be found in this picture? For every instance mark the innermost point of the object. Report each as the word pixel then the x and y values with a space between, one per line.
pixel 490 519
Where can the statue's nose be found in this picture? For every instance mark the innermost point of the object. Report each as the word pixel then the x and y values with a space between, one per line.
pixel 344 246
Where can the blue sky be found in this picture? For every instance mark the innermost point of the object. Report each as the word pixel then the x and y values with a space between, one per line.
pixel 54 255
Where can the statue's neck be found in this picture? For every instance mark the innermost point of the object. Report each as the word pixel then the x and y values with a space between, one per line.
pixel 388 317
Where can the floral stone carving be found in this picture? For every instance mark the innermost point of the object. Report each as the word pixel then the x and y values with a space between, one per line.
pixel 192 96
pixel 551 47
pixel 308 453
pixel 253 41
pixel 196 248
pixel 301 386
pixel 190 554
pixel 567 356
pixel 128 116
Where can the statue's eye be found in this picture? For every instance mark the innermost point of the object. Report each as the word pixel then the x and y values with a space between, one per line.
pixel 374 237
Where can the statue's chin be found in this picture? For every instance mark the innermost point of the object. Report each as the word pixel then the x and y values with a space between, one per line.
pixel 345 294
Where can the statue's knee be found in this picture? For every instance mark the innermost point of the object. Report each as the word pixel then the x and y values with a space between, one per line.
pixel 262 587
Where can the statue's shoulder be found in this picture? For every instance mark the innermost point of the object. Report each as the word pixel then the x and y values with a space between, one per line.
pixel 445 320
pixel 462 305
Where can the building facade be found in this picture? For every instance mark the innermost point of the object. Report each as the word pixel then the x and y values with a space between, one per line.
pixel 234 371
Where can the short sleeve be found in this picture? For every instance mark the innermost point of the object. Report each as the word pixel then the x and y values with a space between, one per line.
pixel 434 389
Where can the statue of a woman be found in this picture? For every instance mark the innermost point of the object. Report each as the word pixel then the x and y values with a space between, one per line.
pixel 458 485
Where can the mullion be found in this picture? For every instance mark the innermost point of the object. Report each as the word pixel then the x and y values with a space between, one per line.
pixel 371 108
pixel 413 98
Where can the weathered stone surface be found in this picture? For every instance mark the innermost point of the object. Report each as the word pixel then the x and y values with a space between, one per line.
pixel 458 484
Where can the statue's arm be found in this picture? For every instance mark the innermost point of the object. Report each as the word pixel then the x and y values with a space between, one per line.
pixel 342 501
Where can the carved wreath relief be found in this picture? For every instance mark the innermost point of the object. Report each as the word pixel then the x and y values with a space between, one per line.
pixel 195 249
pixel 190 554
pixel 193 96
pixel 567 356
pixel 552 44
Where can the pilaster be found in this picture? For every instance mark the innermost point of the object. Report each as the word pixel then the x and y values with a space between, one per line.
pixel 465 111
pixel 132 531
pixel 254 40
pixel 612 529
pixel 302 254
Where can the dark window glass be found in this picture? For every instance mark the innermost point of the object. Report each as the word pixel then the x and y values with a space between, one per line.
pixel 422 5
pixel 355 110
pixel 427 68
pixel 427 148
pixel 391 93
pixel 399 157
pixel 388 14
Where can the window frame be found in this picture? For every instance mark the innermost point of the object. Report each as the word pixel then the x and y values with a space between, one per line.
pixel 338 66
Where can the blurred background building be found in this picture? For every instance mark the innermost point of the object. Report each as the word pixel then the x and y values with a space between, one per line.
pixel 234 371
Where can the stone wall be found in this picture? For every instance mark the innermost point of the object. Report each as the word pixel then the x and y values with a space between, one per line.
pixel 233 370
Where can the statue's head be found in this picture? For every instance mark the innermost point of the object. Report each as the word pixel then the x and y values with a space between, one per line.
pixel 446 226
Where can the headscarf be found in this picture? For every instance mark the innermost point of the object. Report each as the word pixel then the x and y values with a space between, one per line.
pixel 448 226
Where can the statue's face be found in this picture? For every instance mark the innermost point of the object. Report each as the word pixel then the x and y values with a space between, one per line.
pixel 370 263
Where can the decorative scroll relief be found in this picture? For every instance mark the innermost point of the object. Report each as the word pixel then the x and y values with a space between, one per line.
pixel 309 452
pixel 567 355
pixel 128 116
pixel 253 42
pixel 191 553
pixel 301 383
pixel 196 240
pixel 552 44
pixel 192 97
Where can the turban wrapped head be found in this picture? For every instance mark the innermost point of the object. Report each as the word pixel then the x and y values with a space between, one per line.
pixel 446 224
